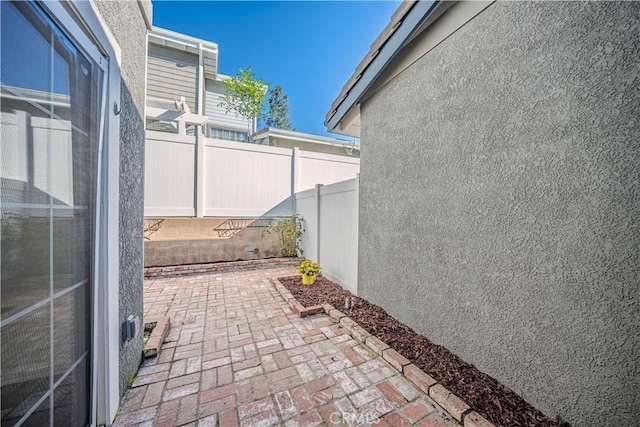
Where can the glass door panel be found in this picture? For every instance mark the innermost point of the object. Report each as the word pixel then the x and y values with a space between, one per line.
pixel 50 101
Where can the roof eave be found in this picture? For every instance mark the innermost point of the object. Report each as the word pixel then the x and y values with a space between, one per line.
pixel 407 27
pixel 173 40
pixel 162 33
pixel 302 137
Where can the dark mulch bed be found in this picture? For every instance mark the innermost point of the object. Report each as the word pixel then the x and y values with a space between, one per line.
pixel 484 394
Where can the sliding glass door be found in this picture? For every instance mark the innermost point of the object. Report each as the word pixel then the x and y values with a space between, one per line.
pixel 51 103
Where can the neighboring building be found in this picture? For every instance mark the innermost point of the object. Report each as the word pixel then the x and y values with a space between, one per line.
pixel 184 92
pixel 499 192
pixel 71 199
pixel 184 88
pixel 308 142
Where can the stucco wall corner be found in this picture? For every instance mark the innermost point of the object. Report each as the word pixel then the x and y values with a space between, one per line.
pixel 500 202
pixel 127 24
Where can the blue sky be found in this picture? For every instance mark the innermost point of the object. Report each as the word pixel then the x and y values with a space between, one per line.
pixel 309 48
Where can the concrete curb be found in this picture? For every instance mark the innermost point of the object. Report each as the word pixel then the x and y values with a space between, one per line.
pixel 448 401
pixel 153 345
pixel 214 267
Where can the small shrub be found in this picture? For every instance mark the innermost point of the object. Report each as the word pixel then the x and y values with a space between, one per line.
pixel 289 230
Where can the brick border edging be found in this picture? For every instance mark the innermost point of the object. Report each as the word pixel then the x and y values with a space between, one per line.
pixel 451 403
pixel 448 401
pixel 153 345
pixel 214 267
pixel 298 308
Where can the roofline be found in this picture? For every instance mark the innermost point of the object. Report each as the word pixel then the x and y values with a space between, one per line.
pixel 183 38
pixel 36 96
pixel 406 28
pixel 303 137
pixel 146 9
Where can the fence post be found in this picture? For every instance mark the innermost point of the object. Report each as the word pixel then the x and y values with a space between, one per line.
pixel 318 221
pixel 295 176
pixel 201 89
pixel 357 233
pixel 199 168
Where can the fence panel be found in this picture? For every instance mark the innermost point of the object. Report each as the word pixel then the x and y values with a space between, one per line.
pixel 169 175
pixel 331 237
pixel 197 176
pixel 246 180
pixel 40 141
pixel 320 168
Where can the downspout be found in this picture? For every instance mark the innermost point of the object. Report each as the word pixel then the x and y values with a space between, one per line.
pixel 255 125
pixel 200 78
pixel 199 134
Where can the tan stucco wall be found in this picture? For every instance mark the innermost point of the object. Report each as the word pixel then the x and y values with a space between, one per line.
pixel 193 240
pixel 184 229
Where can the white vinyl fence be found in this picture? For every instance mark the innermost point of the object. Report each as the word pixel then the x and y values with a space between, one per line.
pixel 169 175
pixel 42 142
pixel 196 176
pixel 246 180
pixel 330 217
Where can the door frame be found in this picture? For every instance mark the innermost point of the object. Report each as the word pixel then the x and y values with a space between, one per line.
pixel 83 23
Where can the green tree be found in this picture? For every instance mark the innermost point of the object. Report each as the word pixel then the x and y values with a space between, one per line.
pixel 278 112
pixel 244 96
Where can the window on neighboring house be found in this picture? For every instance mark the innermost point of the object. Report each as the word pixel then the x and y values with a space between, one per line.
pixel 227 135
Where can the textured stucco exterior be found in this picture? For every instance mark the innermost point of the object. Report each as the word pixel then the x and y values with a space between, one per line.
pixel 127 24
pixel 178 241
pixel 500 202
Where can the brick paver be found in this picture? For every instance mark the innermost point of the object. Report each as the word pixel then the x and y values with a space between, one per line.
pixel 237 355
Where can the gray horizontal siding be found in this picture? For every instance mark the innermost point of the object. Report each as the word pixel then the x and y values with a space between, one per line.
pixel 216 114
pixel 172 74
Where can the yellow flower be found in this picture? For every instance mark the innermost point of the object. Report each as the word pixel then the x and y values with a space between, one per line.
pixel 308 268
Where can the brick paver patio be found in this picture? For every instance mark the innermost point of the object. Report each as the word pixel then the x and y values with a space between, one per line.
pixel 237 355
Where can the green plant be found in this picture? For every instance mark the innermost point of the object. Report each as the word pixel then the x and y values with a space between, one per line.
pixel 132 378
pixel 289 230
pixel 277 115
pixel 309 268
pixel 244 96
